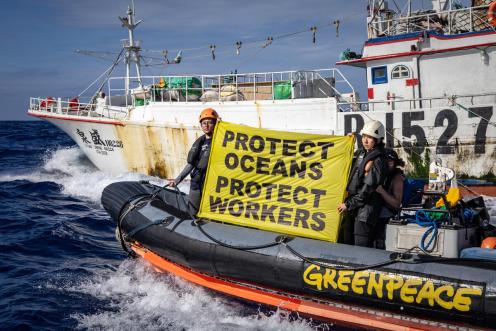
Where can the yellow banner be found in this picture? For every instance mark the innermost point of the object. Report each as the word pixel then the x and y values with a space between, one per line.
pixel 284 182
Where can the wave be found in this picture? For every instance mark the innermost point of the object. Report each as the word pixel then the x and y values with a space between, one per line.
pixel 30 133
pixel 138 298
pixel 76 175
pixel 63 267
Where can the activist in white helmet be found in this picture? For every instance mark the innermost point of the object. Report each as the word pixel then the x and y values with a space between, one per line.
pixel 363 204
pixel 373 129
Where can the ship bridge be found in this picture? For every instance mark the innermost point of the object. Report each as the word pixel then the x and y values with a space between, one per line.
pixel 443 52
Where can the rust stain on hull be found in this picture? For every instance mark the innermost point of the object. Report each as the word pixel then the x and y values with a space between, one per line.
pixel 161 151
pixel 259 114
pixel 154 150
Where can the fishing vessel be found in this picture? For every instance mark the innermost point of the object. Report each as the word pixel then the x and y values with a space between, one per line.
pixel 430 79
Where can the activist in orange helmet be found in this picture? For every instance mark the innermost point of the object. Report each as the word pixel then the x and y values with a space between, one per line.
pixel 198 159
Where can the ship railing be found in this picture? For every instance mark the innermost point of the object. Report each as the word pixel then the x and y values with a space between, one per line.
pixel 392 104
pixel 320 83
pixel 74 107
pixel 453 21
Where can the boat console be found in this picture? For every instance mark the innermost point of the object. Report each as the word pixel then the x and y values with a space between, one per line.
pixel 441 223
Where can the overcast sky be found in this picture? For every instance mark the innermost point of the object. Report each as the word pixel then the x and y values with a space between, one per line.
pixel 40 38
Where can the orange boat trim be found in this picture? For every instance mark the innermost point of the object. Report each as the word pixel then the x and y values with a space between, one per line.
pixel 305 307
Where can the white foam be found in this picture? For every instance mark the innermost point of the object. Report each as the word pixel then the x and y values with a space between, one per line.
pixel 77 176
pixel 142 299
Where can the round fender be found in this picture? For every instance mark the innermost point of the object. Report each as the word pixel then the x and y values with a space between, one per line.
pixel 489 242
pixel 491 13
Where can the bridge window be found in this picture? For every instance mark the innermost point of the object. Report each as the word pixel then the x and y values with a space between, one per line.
pixel 379 75
pixel 399 72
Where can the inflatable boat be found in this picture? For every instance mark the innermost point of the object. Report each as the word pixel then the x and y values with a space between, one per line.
pixel 312 277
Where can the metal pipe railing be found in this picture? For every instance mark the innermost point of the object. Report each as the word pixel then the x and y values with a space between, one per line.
pixel 453 16
pixel 240 83
pixel 451 101
pixel 261 85
pixel 67 106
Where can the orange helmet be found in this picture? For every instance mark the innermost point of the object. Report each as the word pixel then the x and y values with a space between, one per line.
pixel 208 113
pixel 489 242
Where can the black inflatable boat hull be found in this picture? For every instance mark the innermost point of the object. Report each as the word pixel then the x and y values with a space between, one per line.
pixel 432 287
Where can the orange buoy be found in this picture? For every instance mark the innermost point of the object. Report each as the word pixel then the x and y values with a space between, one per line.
pixel 491 13
pixel 489 242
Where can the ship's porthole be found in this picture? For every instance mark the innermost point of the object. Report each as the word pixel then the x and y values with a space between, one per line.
pixel 400 71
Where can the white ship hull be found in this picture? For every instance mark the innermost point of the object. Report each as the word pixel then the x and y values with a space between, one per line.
pixel 155 139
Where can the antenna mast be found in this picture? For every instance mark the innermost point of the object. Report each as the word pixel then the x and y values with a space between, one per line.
pixel 131 47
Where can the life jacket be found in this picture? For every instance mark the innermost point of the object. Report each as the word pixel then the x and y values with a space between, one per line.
pixel 198 157
pixel 363 201
pixel 358 172
pixel 194 152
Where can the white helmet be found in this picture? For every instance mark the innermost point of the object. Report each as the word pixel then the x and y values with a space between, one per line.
pixel 374 129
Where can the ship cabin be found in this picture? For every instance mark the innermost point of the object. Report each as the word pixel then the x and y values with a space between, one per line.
pixel 424 58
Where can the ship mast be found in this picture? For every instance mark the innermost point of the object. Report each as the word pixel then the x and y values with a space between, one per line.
pixel 131 47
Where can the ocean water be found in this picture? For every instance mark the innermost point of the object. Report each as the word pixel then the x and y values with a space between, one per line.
pixel 61 267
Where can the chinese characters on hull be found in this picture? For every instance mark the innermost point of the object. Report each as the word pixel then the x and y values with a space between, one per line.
pixel 101 146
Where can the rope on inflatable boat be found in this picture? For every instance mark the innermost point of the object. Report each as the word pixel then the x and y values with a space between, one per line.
pixel 167 220
pixel 199 224
pixel 144 199
pixel 423 219
pixel 283 240
pixel 406 257
pixel 278 240
pixel 139 201
pixel 399 258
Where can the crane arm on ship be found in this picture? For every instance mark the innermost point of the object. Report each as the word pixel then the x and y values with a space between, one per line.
pixel 110 56
pixel 107 73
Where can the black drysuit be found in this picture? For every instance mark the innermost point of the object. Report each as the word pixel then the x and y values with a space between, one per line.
pixel 197 168
pixel 364 203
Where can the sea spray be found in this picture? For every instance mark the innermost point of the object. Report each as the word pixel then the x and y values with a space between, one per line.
pixel 140 298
